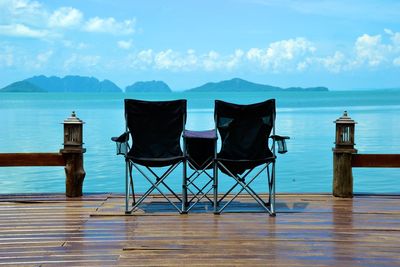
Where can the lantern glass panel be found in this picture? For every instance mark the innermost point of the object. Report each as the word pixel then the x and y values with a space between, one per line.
pixel 73 134
pixel 344 134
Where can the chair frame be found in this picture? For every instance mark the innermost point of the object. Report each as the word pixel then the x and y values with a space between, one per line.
pixel 160 179
pixel 268 206
pixel 201 193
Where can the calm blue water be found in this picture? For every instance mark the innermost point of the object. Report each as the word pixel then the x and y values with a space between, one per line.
pixel 31 123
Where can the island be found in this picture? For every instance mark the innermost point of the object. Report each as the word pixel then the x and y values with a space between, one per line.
pixel 61 85
pixel 85 84
pixel 240 85
pixel 148 86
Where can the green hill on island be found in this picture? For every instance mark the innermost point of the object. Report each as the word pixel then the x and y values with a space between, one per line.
pixel 60 85
pixel 150 86
pixel 23 86
pixel 240 85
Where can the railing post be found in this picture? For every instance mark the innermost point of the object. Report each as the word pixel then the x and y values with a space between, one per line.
pixel 342 156
pixel 73 155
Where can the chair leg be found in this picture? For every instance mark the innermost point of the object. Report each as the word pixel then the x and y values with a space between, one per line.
pixel 132 186
pixel 247 188
pixel 155 186
pixel 272 193
pixel 184 189
pixel 200 191
pixel 127 181
pixel 215 186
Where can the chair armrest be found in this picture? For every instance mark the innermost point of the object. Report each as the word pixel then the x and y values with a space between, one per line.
pixel 122 138
pixel 279 137
pixel 281 141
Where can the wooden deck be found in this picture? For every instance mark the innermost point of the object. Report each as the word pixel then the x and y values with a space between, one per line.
pixel 309 230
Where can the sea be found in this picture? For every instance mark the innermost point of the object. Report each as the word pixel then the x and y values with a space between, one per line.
pixel 32 122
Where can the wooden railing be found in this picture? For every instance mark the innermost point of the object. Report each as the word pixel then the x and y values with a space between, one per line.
pixel 70 156
pixel 31 159
pixel 375 160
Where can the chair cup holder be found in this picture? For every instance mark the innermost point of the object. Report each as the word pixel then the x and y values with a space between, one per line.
pixel 122 148
pixel 282 148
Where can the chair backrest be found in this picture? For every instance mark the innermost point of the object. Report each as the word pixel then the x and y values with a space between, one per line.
pixel 156 127
pixel 244 129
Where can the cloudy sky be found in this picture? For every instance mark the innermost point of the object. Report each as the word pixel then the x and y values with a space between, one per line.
pixel 342 44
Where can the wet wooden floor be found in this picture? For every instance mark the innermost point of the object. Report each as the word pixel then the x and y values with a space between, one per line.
pixel 309 230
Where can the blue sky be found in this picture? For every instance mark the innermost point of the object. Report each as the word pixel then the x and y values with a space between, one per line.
pixel 339 44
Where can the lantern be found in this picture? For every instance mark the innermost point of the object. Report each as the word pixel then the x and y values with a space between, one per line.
pixel 344 140
pixel 73 132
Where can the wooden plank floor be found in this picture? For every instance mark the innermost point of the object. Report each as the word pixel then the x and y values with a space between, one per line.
pixel 309 230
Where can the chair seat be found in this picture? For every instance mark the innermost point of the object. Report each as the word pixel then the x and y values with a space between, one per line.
pixel 207 134
pixel 156 162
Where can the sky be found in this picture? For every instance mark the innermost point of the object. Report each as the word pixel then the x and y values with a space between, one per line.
pixel 342 44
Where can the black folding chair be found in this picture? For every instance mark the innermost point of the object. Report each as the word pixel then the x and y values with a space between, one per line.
pixel 199 151
pixel 156 128
pixel 245 131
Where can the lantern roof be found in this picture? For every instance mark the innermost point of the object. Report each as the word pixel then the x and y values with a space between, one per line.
pixel 73 119
pixel 345 119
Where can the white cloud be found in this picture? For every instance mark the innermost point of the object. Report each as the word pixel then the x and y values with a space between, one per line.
pixel 22 12
pixel 388 31
pixel 282 55
pixel 396 40
pixel 125 44
pixel 142 60
pixel 167 59
pixel 172 60
pixel 110 25
pixel 65 17
pixel 235 59
pixel 291 55
pixel 25 18
pixel 305 64
pixel 146 56
pixel 20 30
pixel 370 50
pixel 334 63
pixel 211 61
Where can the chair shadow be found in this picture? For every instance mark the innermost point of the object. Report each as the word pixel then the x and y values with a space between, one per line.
pixel 235 206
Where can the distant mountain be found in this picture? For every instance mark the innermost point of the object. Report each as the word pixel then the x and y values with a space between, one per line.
pixel 240 85
pixel 90 84
pixel 73 84
pixel 22 86
pixel 66 84
pixel 150 86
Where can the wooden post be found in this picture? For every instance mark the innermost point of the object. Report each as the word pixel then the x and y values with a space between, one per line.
pixel 342 157
pixel 342 175
pixel 73 155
